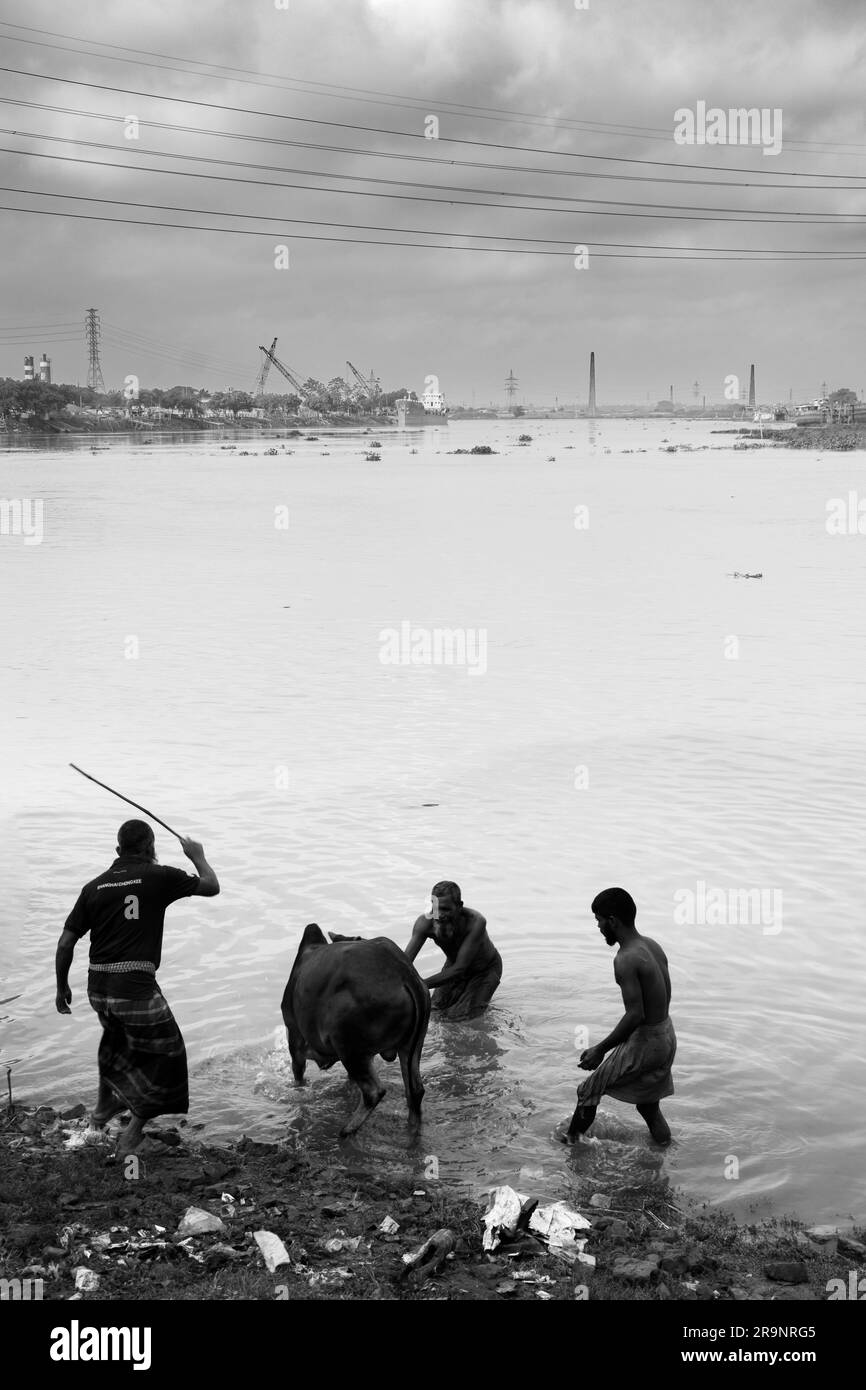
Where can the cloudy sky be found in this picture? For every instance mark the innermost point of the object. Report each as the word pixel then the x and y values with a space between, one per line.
pixel 555 129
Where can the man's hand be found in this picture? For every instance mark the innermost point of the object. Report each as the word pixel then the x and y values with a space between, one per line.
pixel 192 849
pixel 591 1058
pixel 62 1000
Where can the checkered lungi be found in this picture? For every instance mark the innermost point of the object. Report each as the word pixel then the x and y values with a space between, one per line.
pixel 142 1055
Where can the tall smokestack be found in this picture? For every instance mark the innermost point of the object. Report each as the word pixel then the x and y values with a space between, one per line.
pixel 591 407
pixel 752 387
pixel 29 374
pixel 672 395
pixel 45 370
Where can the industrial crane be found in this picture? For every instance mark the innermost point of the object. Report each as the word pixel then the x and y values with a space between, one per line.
pixel 369 389
pixel 266 367
pixel 271 357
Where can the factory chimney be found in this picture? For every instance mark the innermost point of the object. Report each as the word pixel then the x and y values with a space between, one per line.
pixel 591 407
pixel 29 374
pixel 45 370
pixel 752 387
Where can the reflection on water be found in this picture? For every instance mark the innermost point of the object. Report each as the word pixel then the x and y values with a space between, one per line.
pixel 610 741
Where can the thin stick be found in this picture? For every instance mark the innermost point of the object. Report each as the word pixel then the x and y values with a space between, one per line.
pixel 105 786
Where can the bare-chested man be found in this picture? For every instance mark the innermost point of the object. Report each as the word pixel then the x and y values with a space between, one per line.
pixel 638 1069
pixel 465 986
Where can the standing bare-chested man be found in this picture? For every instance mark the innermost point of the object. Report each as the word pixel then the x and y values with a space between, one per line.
pixel 644 1043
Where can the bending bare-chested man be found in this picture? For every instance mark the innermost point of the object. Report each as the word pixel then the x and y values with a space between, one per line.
pixel 644 1043
pixel 465 986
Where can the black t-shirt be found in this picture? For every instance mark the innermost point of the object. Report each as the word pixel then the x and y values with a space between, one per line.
pixel 124 909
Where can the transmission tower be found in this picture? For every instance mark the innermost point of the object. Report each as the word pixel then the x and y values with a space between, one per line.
pixel 510 390
pixel 93 332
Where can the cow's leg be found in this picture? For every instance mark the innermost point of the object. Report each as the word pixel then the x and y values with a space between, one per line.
pixel 362 1071
pixel 298 1051
pixel 410 1065
pixel 410 1058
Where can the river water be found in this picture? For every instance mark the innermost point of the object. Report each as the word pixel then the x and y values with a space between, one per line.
pixel 206 631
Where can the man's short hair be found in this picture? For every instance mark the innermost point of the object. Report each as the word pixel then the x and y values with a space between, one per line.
pixel 134 837
pixel 615 902
pixel 447 889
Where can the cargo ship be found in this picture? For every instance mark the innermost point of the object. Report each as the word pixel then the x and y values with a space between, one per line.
pixel 429 410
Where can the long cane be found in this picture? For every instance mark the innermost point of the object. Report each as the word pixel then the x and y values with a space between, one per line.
pixel 106 787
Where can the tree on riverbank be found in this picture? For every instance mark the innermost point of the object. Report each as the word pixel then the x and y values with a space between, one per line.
pixel 18 398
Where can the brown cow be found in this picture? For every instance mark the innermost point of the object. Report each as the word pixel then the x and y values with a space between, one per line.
pixel 349 1001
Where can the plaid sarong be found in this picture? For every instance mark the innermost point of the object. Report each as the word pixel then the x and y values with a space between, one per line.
pixel 638 1071
pixel 142 1055
pixel 464 998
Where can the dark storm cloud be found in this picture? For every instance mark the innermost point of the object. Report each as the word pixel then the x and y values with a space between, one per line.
pixel 467 317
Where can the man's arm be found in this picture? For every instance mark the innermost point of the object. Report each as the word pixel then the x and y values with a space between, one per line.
pixel 628 979
pixel 465 956
pixel 62 962
pixel 420 933
pixel 208 883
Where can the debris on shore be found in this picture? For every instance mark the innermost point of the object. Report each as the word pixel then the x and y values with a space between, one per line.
pixel 182 1219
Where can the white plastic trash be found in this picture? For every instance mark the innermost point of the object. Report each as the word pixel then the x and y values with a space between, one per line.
pixel 502 1215
pixel 389 1226
pixel 196 1222
pixel 274 1253
pixel 86 1280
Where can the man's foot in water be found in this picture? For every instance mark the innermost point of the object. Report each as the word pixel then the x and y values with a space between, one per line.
pixel 656 1122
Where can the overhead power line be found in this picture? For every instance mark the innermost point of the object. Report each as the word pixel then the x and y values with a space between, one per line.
pixel 681 255
pixel 430 158
pixel 822 254
pixel 802 217
pixel 367 95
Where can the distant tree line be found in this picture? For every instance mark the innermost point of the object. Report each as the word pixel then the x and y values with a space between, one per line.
pixel 19 398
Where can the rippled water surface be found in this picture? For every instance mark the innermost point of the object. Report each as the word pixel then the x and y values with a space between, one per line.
pixel 613 738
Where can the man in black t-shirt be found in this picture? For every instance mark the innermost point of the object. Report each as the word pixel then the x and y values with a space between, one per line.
pixel 142 1057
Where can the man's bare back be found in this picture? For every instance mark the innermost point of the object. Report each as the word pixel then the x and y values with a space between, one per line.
pixel 644 961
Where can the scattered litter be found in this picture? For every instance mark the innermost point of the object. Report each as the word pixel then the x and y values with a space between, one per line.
pixel 197 1222
pixel 557 1225
pixel 389 1226
pixel 326 1278
pixel 526 1276
pixel 600 1199
pixel 539 1293
pixel 274 1253
pixel 86 1280
pixel 189 1249
pixel 337 1243
pixel 431 1255
pixel 502 1215
pixel 85 1134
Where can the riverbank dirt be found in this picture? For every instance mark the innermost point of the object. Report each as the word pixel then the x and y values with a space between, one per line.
pixel 91 1227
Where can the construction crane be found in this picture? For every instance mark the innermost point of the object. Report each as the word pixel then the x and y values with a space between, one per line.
pixel 266 367
pixel 371 389
pixel 271 357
